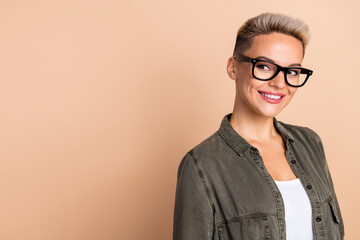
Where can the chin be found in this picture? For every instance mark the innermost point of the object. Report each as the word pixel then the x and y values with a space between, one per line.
pixel 270 113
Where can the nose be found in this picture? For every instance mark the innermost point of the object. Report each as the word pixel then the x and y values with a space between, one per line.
pixel 278 81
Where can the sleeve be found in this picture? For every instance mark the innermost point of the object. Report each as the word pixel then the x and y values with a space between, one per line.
pixel 193 214
pixel 327 171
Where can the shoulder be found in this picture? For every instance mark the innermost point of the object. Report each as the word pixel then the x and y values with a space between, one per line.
pixel 208 151
pixel 196 155
pixel 210 144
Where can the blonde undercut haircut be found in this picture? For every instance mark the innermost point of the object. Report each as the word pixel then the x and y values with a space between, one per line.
pixel 267 23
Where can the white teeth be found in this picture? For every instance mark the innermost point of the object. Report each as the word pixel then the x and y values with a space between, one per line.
pixel 270 96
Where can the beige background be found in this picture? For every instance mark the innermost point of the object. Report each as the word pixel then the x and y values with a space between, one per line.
pixel 100 100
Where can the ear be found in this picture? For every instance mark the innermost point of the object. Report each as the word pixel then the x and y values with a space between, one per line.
pixel 231 69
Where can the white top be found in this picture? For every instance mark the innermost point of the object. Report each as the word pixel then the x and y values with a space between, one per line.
pixel 298 215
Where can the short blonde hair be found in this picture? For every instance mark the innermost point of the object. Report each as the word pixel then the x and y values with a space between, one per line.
pixel 267 23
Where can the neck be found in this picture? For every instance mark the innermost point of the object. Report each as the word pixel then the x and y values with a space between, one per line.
pixel 252 127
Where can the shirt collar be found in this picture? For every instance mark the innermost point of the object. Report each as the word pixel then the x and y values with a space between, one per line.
pixel 239 144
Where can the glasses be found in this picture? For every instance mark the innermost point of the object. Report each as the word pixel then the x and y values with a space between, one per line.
pixel 265 70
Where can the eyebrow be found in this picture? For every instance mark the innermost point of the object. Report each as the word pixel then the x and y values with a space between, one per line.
pixel 270 60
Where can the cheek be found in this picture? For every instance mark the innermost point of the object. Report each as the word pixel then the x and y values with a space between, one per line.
pixel 243 73
pixel 258 85
pixel 292 91
pixel 250 86
pixel 291 96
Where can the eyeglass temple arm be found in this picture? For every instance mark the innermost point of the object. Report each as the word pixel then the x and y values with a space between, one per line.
pixel 242 58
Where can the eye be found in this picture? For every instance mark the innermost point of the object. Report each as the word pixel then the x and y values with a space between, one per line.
pixel 293 72
pixel 264 67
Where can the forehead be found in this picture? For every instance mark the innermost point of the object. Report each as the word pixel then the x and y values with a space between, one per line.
pixel 283 49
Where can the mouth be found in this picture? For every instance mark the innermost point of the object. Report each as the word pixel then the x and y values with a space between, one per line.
pixel 272 97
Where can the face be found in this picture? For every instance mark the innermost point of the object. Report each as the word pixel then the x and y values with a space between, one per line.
pixel 252 95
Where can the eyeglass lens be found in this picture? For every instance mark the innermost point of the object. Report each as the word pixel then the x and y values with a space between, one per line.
pixel 264 70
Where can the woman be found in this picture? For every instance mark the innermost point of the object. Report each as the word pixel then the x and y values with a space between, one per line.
pixel 256 177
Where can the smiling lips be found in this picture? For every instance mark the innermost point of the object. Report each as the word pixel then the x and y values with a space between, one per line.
pixel 271 97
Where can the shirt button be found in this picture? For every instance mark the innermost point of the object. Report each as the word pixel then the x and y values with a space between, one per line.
pixel 309 186
pixel 318 219
pixel 293 161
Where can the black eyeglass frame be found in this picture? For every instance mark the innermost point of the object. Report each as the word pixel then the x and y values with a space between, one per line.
pixel 242 58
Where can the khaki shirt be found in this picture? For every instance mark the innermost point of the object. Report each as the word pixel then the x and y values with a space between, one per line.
pixel 225 192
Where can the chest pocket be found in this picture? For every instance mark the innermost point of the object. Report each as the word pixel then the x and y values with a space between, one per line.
pixel 247 228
